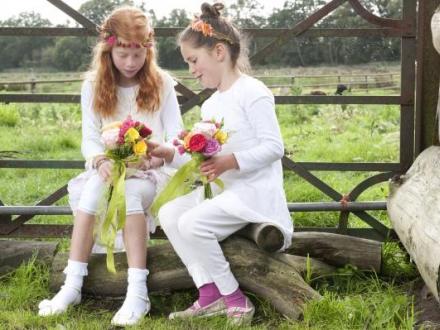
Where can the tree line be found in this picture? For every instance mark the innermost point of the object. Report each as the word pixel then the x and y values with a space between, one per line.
pixel 73 53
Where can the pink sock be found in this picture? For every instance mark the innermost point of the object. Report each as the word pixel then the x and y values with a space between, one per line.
pixel 208 293
pixel 235 299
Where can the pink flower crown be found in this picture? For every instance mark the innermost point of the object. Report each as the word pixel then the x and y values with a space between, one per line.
pixel 112 40
pixel 207 30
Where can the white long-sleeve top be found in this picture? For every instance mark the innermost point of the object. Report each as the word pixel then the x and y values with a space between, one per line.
pixel 255 191
pixel 166 122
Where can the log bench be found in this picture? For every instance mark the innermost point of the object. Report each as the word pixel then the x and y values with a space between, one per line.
pixel 276 277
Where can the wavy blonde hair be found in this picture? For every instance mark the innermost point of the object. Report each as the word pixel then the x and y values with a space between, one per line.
pixel 132 25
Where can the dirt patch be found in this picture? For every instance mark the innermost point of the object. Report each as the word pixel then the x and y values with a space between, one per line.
pixel 426 307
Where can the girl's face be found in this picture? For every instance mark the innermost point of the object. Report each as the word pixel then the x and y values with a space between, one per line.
pixel 128 61
pixel 203 64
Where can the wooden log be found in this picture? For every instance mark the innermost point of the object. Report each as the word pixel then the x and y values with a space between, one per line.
pixel 414 209
pixel 14 253
pixel 255 270
pixel 338 250
pixel 267 237
pixel 317 268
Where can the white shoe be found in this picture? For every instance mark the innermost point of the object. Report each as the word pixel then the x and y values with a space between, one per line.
pixel 124 316
pixel 50 307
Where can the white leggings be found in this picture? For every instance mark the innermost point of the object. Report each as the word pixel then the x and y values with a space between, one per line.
pixel 139 195
pixel 195 231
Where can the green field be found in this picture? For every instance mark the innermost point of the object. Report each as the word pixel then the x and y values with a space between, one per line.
pixel 328 133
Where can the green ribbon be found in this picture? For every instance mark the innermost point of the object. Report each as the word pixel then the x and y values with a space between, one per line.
pixel 111 219
pixel 182 183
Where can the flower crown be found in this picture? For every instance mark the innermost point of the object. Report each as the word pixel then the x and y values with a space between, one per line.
pixel 207 30
pixel 111 39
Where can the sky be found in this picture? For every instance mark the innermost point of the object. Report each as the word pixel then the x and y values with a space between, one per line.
pixel 160 7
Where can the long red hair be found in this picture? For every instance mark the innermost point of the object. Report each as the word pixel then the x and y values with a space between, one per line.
pixel 132 25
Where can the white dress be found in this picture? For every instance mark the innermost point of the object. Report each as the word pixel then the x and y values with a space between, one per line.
pixel 255 192
pixel 165 123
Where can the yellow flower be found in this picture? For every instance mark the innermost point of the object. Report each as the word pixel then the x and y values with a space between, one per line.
pixel 131 135
pixel 221 136
pixel 140 148
pixel 115 124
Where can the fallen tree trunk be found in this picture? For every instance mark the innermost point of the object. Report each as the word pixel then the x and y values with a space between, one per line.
pixel 338 250
pixel 276 281
pixel 414 209
pixel 14 253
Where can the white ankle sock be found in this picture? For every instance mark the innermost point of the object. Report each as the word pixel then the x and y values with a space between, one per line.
pixel 136 300
pixel 70 292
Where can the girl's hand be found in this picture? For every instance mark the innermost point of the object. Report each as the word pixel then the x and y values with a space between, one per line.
pixel 105 169
pixel 156 162
pixel 161 151
pixel 217 165
pixel 146 163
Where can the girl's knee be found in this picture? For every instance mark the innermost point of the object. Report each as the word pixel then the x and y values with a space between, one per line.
pixel 167 217
pixel 189 226
pixel 139 195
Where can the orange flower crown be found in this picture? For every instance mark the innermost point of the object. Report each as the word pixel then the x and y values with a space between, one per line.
pixel 111 39
pixel 207 30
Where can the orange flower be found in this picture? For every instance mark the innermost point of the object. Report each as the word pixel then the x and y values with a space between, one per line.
pixel 200 26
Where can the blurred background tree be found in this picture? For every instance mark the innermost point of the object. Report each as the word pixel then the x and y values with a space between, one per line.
pixel 73 53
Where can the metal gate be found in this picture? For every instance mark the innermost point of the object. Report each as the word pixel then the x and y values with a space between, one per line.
pixel 405 29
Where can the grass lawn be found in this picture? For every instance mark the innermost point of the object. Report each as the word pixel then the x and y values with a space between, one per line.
pixel 328 133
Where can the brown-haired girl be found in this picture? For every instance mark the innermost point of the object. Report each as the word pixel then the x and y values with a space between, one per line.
pixel 249 166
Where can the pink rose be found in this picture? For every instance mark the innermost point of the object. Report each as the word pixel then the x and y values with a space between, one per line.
pixel 211 148
pixel 126 125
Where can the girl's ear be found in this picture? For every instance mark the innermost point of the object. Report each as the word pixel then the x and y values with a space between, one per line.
pixel 220 51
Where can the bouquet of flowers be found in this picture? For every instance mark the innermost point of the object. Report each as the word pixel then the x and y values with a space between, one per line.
pixel 203 141
pixel 125 142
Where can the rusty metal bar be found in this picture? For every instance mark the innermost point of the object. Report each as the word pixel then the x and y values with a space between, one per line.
pixel 198 99
pixel 56 231
pixel 20 220
pixel 41 81
pixel 339 100
pixel 311 166
pixel 427 86
pixel 356 191
pixel 35 231
pixel 35 210
pixel 61 164
pixel 296 30
pixel 45 32
pixel 310 178
pixel 39 98
pixel 172 32
pixel 408 77
pixel 84 21
pixel 376 20
pixel 367 183
pixel 4 218
pixel 370 167
pixel 335 206
pixel 293 207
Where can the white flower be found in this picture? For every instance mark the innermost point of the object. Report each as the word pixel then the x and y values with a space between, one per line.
pixel 110 138
pixel 205 128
